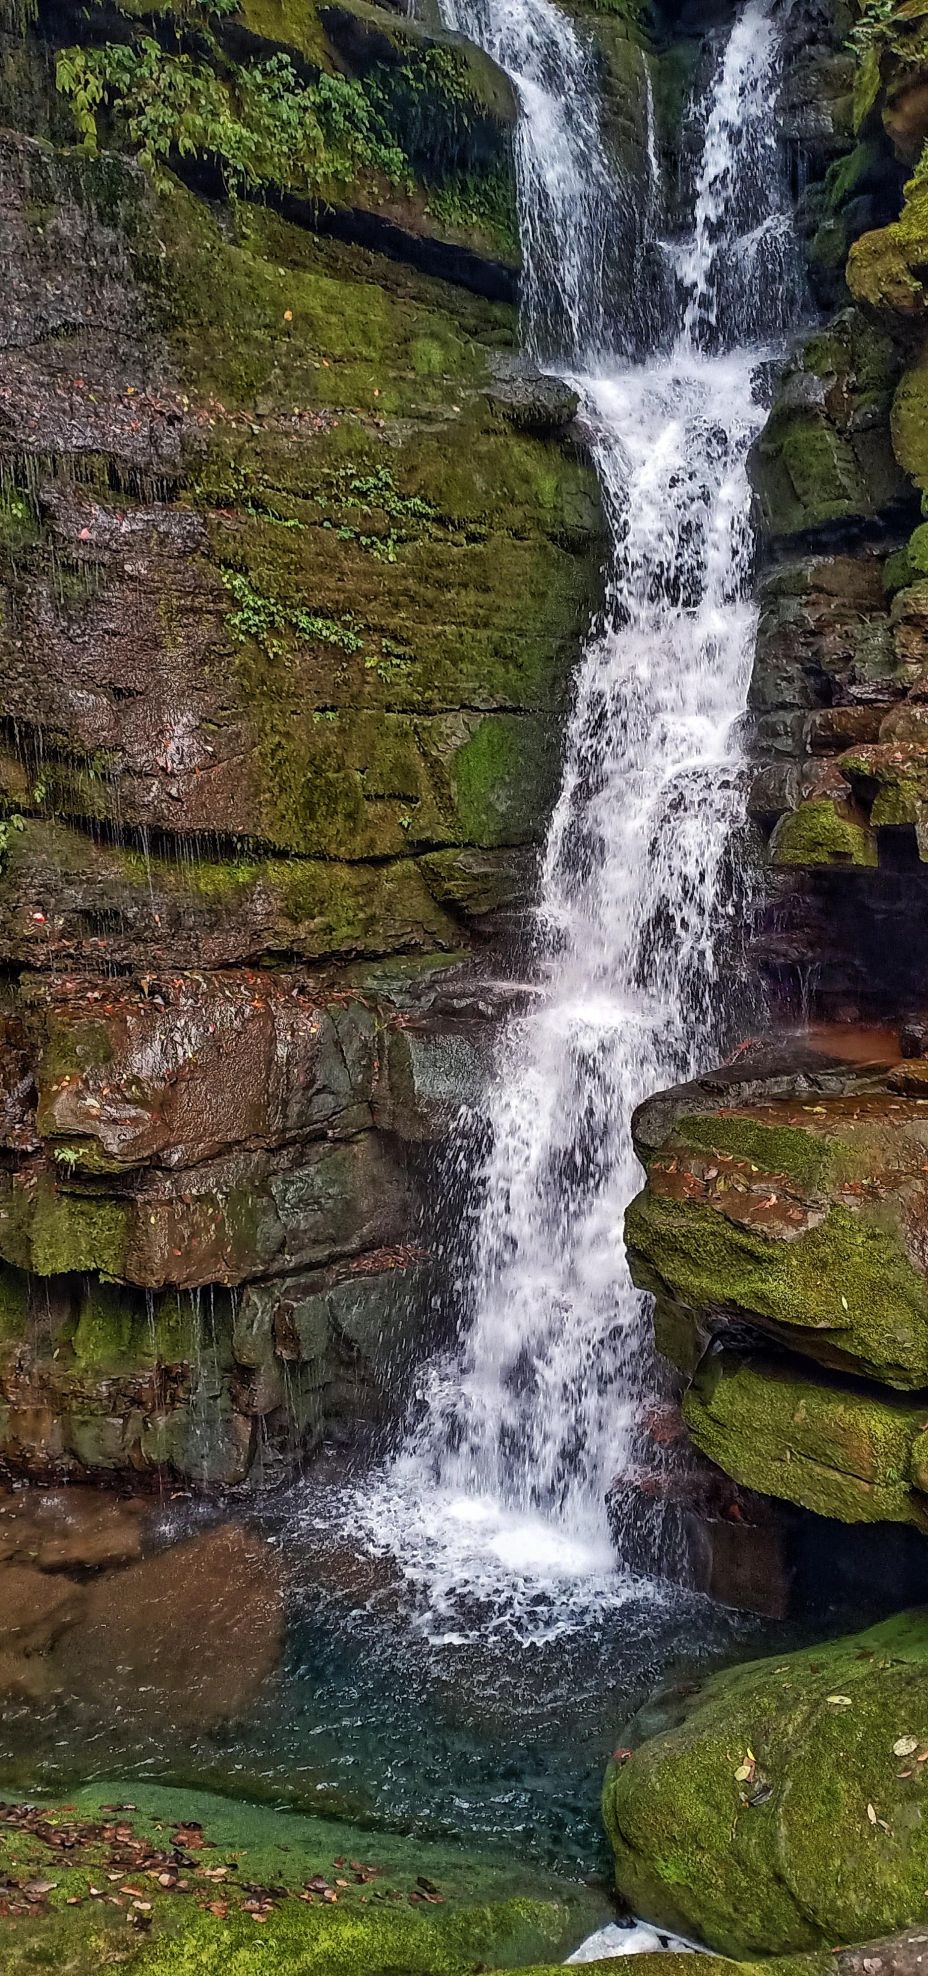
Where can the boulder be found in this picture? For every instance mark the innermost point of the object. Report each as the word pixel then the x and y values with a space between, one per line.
pixel 787 1808
pixel 845 1451
pixel 534 403
pixel 793 1204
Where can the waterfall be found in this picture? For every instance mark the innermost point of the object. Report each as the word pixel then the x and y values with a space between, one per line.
pixel 500 1490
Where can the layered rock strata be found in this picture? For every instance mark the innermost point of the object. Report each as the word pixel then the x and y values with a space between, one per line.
pixel 294 567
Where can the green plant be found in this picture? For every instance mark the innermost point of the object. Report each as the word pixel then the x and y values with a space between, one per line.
pixel 481 200
pixel 9 825
pixel 67 1156
pixel 260 124
pixel 265 618
pixel 374 493
pixel 872 25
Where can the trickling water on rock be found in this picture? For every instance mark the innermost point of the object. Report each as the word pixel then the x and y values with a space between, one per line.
pixel 501 1487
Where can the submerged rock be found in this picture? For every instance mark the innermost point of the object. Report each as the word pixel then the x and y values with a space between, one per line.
pixel 788 1807
pixel 197 1628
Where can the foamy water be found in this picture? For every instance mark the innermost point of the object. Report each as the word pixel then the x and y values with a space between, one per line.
pixel 496 1504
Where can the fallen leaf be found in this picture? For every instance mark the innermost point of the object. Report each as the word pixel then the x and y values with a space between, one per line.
pixel 905 1746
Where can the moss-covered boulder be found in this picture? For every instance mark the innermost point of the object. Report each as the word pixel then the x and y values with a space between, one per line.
pixel 776 1426
pixel 824 455
pixel 797 1210
pixel 824 830
pixel 787 1809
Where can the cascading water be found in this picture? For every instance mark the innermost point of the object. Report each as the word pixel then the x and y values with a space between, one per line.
pixel 501 1488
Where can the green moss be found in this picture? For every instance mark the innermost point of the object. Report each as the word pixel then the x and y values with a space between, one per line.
pixel 493 1913
pixel 843 1288
pixel 806 473
pixel 910 425
pixel 822 469
pixel 860 171
pixel 289 24
pixel 809 1158
pixel 272 315
pixel 917 553
pixel 20 529
pixel 885 267
pixel 790 1857
pixel 503 778
pixel 823 831
pixel 481 209
pixel 897 572
pixel 72 1047
pixel 118 1332
pixel 788 1432
pixel 53 1231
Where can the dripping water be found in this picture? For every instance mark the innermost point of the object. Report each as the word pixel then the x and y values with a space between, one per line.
pixel 553 1391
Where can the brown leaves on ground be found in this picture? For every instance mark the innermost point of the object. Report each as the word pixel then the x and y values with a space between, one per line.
pixel 129 1872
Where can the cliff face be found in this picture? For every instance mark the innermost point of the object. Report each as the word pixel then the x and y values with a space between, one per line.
pixel 293 571
pixel 783 1225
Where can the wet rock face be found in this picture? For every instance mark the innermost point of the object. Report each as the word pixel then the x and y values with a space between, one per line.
pixel 785 1808
pixel 288 605
pixel 840 474
pixel 210 1227
pixel 783 1225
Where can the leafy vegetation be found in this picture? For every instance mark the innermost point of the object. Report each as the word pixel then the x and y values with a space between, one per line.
pixel 260 124
pixel 266 619
pixel 483 200
pixel 9 825
pixel 370 493
pixel 873 22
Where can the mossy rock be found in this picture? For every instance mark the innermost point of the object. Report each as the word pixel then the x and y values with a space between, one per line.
pixel 823 831
pixel 910 424
pixel 492 1912
pixel 798 1215
pixel 841 1450
pixel 885 267
pixel 824 457
pixel 779 1815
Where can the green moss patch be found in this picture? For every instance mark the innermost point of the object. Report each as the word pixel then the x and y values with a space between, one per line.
pixel 265 1892
pixel 781 1429
pixel 843 1288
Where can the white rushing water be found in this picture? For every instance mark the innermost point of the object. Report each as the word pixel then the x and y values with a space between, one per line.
pixel 500 1491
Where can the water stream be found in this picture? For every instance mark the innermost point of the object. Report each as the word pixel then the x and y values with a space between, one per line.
pixel 552 1391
